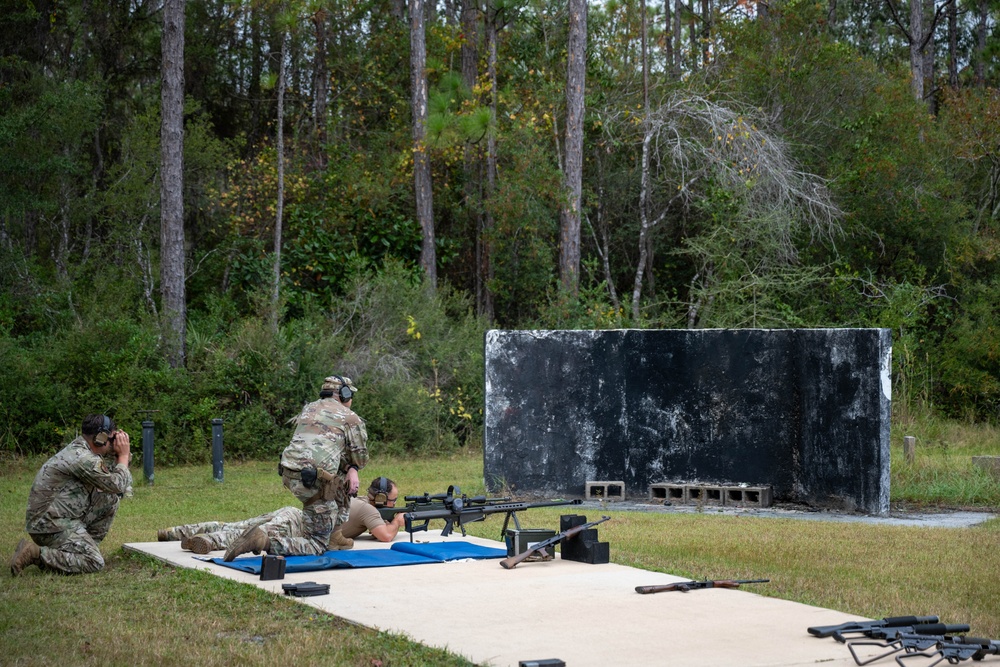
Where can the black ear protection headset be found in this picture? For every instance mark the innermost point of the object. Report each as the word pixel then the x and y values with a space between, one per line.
pixel 382 495
pixel 103 432
pixel 344 393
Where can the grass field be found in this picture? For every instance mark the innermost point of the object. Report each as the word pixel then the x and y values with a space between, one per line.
pixel 140 612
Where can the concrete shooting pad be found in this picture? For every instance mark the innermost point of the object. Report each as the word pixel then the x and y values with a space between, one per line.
pixel 582 614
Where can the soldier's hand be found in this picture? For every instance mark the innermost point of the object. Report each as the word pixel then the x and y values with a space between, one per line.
pixel 121 445
pixel 352 481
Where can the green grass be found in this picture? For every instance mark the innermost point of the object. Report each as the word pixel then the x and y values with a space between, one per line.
pixel 942 472
pixel 138 611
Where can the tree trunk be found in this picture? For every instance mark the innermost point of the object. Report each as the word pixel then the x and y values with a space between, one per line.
pixel 644 226
pixel 693 37
pixel 678 39
pixel 645 57
pixel 706 32
pixel 279 147
pixel 979 58
pixel 321 86
pixel 421 162
pixel 491 167
pixel 928 51
pixel 471 186
pixel 645 165
pixel 172 183
pixel 916 52
pixel 668 39
pixel 576 72
pixel 953 45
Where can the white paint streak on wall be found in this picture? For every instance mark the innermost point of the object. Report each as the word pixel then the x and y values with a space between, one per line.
pixel 885 368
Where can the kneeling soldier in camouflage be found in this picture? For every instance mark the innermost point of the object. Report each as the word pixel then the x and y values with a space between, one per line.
pixel 74 500
pixel 320 467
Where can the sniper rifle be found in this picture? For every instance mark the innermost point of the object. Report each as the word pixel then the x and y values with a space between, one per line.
pixel 437 501
pixel 685 586
pixel 460 510
pixel 539 547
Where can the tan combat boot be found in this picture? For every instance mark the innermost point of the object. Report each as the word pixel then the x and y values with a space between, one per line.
pixel 254 539
pixel 340 543
pixel 163 535
pixel 27 553
pixel 199 544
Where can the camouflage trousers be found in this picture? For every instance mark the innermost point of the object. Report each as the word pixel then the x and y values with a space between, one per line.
pixel 319 519
pixel 75 549
pixel 285 522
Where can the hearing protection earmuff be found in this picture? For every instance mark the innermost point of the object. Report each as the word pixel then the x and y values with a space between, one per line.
pixel 382 495
pixel 103 432
pixel 344 393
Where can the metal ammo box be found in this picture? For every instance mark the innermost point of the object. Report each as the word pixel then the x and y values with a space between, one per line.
pixel 520 540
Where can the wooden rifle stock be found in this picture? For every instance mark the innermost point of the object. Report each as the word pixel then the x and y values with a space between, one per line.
pixel 512 561
pixel 685 586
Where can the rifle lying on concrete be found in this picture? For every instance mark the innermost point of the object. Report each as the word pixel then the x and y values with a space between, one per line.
pixel 460 510
pixel 437 501
pixel 953 650
pixel 910 639
pixel 685 586
pixel 863 626
pixel 540 547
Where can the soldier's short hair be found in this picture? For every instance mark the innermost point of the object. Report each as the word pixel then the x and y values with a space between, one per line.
pixel 94 424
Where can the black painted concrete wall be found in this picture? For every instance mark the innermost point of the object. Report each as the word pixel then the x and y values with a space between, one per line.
pixel 804 410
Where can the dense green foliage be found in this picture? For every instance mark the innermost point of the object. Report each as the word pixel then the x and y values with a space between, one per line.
pixel 389 333
pixel 791 180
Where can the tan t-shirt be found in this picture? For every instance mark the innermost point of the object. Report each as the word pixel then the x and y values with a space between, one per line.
pixel 364 516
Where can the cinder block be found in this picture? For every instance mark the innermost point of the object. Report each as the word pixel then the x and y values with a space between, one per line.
pixel 666 493
pixel 605 490
pixel 748 496
pixel 703 494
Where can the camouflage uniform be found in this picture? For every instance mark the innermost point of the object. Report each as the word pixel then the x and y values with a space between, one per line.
pixel 328 437
pixel 71 506
pixel 285 522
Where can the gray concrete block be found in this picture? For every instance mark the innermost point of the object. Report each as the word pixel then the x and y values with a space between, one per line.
pixel 605 490
pixel 703 494
pixel 990 464
pixel 748 496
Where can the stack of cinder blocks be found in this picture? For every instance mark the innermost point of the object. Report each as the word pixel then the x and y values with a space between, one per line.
pixel 736 495
pixel 583 547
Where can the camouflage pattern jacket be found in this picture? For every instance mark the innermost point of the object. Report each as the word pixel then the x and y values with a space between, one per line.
pixel 61 493
pixel 328 436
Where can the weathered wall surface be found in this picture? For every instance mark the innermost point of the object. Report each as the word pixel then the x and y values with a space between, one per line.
pixel 804 410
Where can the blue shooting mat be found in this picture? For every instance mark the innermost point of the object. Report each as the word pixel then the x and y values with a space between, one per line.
pixel 401 553
pixel 441 552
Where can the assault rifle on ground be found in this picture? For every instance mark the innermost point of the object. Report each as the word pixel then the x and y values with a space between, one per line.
pixel 436 501
pixel 539 547
pixel 863 626
pixel 459 510
pixel 910 639
pixel 954 650
pixel 685 586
